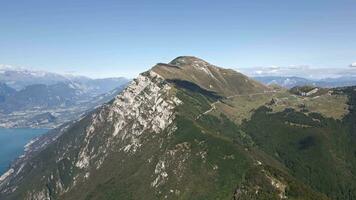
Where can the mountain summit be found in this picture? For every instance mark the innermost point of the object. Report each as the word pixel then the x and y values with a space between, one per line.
pixel 224 82
pixel 191 130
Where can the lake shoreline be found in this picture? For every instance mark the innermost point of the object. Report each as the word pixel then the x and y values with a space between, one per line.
pixel 14 142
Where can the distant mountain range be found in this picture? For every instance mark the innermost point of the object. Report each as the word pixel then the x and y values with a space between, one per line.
pixel 19 78
pixel 43 99
pixel 292 81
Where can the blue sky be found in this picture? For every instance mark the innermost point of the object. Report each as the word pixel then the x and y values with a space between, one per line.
pixel 113 37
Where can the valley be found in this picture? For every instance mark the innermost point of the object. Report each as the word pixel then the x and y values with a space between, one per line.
pixel 37 99
pixel 54 116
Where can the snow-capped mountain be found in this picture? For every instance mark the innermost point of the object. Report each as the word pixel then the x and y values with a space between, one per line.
pixel 19 77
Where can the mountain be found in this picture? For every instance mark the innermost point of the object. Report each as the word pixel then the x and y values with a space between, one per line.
pixel 289 82
pixel 5 91
pixel 48 106
pixel 192 130
pixel 19 78
pixel 337 82
pixel 29 95
pixel 222 81
pixel 303 71
pixel 103 85
pixel 41 96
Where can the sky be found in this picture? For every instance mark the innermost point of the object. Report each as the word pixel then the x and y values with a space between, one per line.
pixel 123 38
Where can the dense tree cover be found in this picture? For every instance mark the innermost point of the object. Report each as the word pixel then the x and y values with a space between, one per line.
pixel 318 151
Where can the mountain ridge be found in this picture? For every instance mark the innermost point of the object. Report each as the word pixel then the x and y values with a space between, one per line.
pixel 18 78
pixel 149 142
pixel 292 81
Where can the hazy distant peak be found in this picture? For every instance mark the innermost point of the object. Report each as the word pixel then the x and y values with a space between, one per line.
pixel 302 71
pixel 10 67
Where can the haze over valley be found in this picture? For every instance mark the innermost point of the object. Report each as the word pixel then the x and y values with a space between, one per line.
pixel 40 99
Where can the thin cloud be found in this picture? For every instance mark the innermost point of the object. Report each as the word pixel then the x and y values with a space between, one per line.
pixel 298 67
pixel 303 71
pixel 353 64
pixel 273 67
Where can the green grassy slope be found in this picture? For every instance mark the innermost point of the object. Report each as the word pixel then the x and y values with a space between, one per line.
pixel 224 82
pixel 318 151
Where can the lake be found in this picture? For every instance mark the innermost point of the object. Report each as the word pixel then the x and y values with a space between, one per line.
pixel 12 142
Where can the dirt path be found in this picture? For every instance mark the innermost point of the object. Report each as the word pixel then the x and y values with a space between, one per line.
pixel 212 105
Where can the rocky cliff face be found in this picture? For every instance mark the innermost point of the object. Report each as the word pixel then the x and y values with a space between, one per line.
pixel 146 106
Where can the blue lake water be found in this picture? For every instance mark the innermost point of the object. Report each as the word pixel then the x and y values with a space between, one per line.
pixel 12 142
